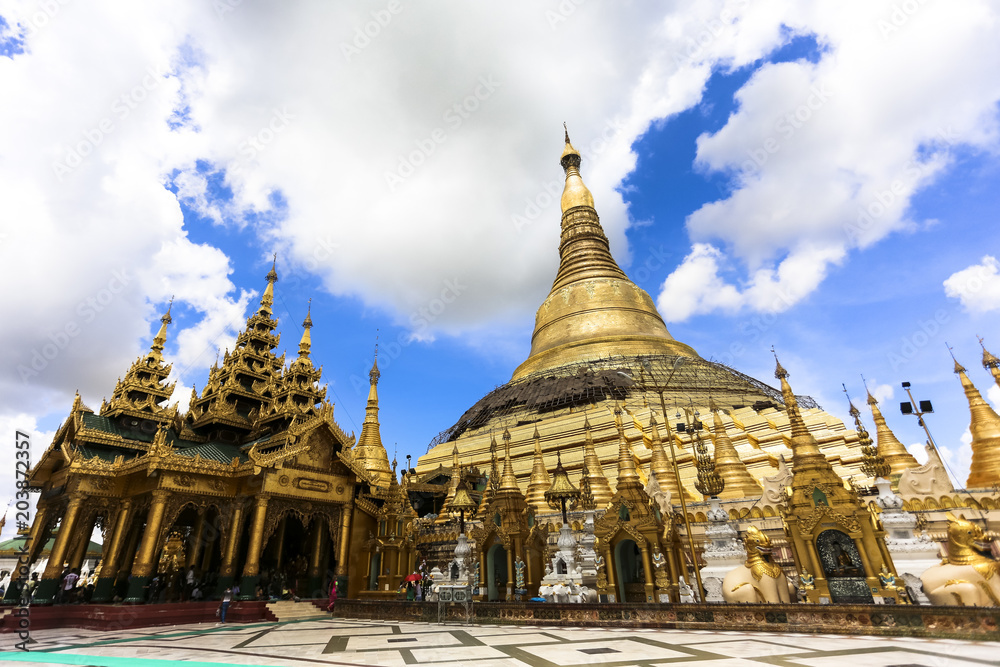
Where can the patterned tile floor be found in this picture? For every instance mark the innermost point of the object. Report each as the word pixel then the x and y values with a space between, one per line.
pixel 348 642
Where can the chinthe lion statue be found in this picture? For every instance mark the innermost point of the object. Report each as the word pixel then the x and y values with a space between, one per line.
pixel 758 579
pixel 966 577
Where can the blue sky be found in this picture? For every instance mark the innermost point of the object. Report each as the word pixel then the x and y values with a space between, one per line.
pixel 820 179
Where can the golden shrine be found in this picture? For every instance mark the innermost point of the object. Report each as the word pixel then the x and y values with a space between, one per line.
pixel 255 484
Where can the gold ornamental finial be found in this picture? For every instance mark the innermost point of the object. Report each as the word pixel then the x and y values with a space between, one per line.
pixel 369 449
pixel 160 339
pixel 803 443
pixel 575 192
pixel 990 362
pixel 267 298
pixel 598 484
pixel 873 464
pixel 306 343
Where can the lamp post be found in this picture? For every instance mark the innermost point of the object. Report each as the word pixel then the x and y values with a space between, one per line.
pixel 912 407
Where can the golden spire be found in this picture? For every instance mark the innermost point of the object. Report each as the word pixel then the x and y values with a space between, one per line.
pixel 873 464
pixel 985 428
pixel 892 450
pixel 267 298
pixel 659 464
pixel 306 343
pixel 540 481
pixel 600 489
pixel 493 482
pixel 990 362
pixel 369 450
pixel 160 339
pixel 739 483
pixel 456 480
pixel 627 475
pixel 508 482
pixel 806 457
pixel 593 310
pixel 575 193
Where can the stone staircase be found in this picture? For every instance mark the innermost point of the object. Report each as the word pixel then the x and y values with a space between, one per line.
pixel 288 610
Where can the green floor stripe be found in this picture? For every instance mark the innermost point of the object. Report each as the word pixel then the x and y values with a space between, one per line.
pixel 99 660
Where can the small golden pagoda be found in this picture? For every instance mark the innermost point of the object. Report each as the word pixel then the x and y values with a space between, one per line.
pixel 508 534
pixel 830 529
pixel 539 482
pixel 985 429
pixel 738 482
pixel 990 362
pixel 639 551
pixel 890 448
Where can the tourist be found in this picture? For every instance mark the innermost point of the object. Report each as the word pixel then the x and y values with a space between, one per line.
pixel 227 597
pixel 196 594
pixel 68 584
pixel 333 596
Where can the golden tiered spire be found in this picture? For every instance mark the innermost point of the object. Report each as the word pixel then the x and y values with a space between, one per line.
pixel 267 298
pixel 600 489
pixel 874 464
pixel 494 479
pixel 540 481
pixel 659 464
pixel 508 482
pixel 456 479
pixel 306 343
pixel 156 350
pixel 985 428
pixel 739 483
pixel 369 451
pixel 889 447
pixel 627 474
pixel 143 390
pixel 593 309
pixel 990 362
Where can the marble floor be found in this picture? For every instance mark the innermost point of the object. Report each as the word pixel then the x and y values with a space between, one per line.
pixel 350 642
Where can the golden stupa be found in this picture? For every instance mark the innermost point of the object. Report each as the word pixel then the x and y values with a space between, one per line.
pixel 599 340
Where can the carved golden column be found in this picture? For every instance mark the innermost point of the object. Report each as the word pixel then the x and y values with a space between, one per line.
pixel 132 533
pixel 53 570
pixel 209 548
pixel 229 554
pixel 647 570
pixel 315 575
pixel 146 560
pixel 279 551
pixel 112 555
pixel 510 572
pixel 197 541
pixel 79 552
pixel 343 550
pixel 251 567
pixel 37 533
pixel 609 571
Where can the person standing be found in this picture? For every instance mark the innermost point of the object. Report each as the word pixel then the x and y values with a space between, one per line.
pixel 227 597
pixel 333 596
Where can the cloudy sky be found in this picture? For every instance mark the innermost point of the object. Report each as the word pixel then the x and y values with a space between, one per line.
pixel 817 176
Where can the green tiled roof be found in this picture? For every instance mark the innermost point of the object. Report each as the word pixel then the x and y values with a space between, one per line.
pixel 214 451
pixel 106 454
pixel 99 423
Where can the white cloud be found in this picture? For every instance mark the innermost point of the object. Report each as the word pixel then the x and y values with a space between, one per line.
pixel 827 156
pixel 13 427
pixel 883 393
pixel 977 286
